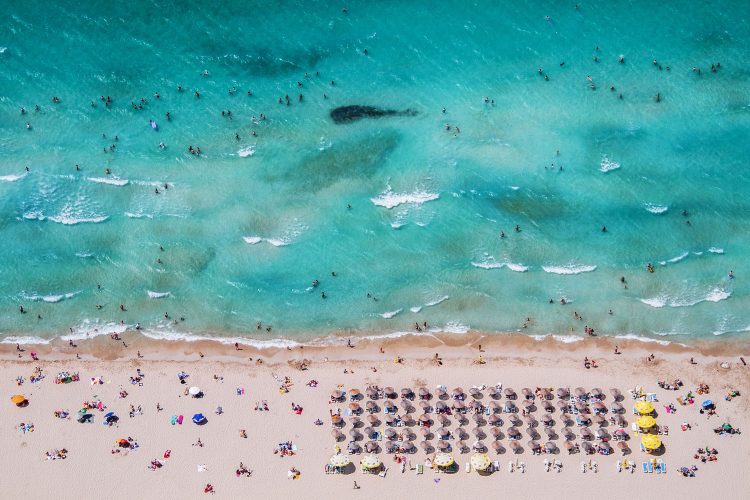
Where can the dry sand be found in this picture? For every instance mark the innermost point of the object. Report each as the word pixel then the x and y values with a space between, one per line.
pixel 92 470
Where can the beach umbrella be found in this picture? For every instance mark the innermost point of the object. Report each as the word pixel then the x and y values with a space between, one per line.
pixel 478 432
pixel 426 446
pixel 462 447
pixel 337 420
pixel 599 420
pixel 441 393
pixel 389 433
pixel 515 447
pixel 546 393
pixel 354 407
pixel 494 406
pixel 371 406
pixel 369 432
pixel 461 433
pixel 340 460
pixel 479 446
pixel 530 420
pixel 601 434
pixel 599 407
pixel 509 393
pixel 645 422
pixel 444 432
pixel 405 404
pixel 337 435
pixel 495 392
pixel 550 432
pixel 424 418
pixel 586 433
pixel 373 419
pixel 370 462
pixel 443 445
pixel 476 405
pixel 424 405
pixel 509 407
pixel 533 445
pixel 566 420
pixel 620 420
pixel 477 418
pixel 355 434
pixel 356 421
pixel 644 407
pixel 581 407
pixel 480 461
pixel 198 419
pixel 194 391
pixel 444 421
pixel 335 394
pixel 475 392
pixel 426 431
pixel 459 405
pixel 458 392
pixel 550 447
pixel 19 400
pixel 497 446
pixel 443 460
pixel 580 392
pixel 496 432
pixel 548 406
pixel 406 392
pixel 353 447
pixel 389 392
pixel 547 420
pixel 616 394
pixel 569 446
pixel 650 441
pixel 533 434
pixel 707 404
pixel 514 433
pixel 424 393
pixel 528 403
pixel 495 420
pixel 562 393
pixel 527 393
pixel 440 405
pixel 514 420
pixel 354 393
pixel 390 447
pixel 604 448
pixel 390 419
pixel 408 446
pixel 371 392
pixel 623 447
pixel 389 405
pixel 85 417
pixel 568 434
pixel 587 447
pixel 597 393
pixel 563 405
pixel 407 419
pixel 123 443
pixel 617 407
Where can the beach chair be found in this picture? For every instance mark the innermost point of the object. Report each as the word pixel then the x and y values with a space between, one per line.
pixel 583 467
pixel 496 466
pixel 383 472
pixel 467 468
pixel 658 468
pixel 420 469
pixel 651 396
pixel 664 429
pixel 650 467
pixel 663 468
pixel 645 467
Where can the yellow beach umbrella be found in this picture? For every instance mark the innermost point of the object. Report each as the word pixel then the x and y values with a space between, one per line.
pixel 480 461
pixel 644 407
pixel 18 399
pixel 340 460
pixel 370 462
pixel 443 460
pixel 650 441
pixel 646 422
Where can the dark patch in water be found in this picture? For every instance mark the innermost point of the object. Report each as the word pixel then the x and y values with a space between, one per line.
pixel 348 114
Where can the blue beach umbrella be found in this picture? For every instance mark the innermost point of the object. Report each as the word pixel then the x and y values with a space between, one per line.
pixel 707 404
pixel 199 419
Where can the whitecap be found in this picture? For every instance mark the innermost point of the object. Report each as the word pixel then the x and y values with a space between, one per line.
pixel 113 181
pixel 656 209
pixel 397 225
pixel 245 152
pixel 716 294
pixel 674 260
pixel 277 242
pixel 51 298
pixel 138 215
pixel 169 335
pixel 455 327
pixel 415 309
pixel 13 178
pixel 487 265
pixel 24 340
pixel 565 339
pixel 716 250
pixel 519 268
pixel 607 165
pixel 389 199
pixel 390 314
pixel 158 295
pixel 571 269
pixel 437 301
pixel 252 240
pixel 631 336
pixel 84 255
pixel 71 221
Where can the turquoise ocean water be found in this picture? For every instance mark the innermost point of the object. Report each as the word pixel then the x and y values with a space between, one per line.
pixel 249 224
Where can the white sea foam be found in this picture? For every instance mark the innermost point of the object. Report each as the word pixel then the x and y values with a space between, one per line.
pixel 277 242
pixel 639 338
pixel 24 340
pixel 519 268
pixel 390 314
pixel 608 165
pixel 674 260
pixel 245 152
pixel 716 250
pixel 50 299
pixel 84 255
pixel 415 309
pixel 437 301
pixel 90 329
pixel 389 199
pixel 487 265
pixel 165 334
pixel 113 181
pixel 565 339
pixel 571 269
pixel 491 264
pixel 12 178
pixel 71 221
pixel 158 295
pixel 716 294
pixel 656 209
pixel 252 240
pixel 455 327
pixel 397 225
pixel 138 215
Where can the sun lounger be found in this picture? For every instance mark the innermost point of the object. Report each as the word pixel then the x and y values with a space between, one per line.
pixel 651 396
pixel 645 467
pixel 383 472
pixel 419 469
pixel 583 467
pixel 663 468
pixel 496 466
pixel 650 468
pixel 467 468
pixel 664 429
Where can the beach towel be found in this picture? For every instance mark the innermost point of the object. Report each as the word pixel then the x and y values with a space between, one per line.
pixel 174 419
pixel 179 419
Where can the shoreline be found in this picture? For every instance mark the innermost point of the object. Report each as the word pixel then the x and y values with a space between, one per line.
pixel 334 346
